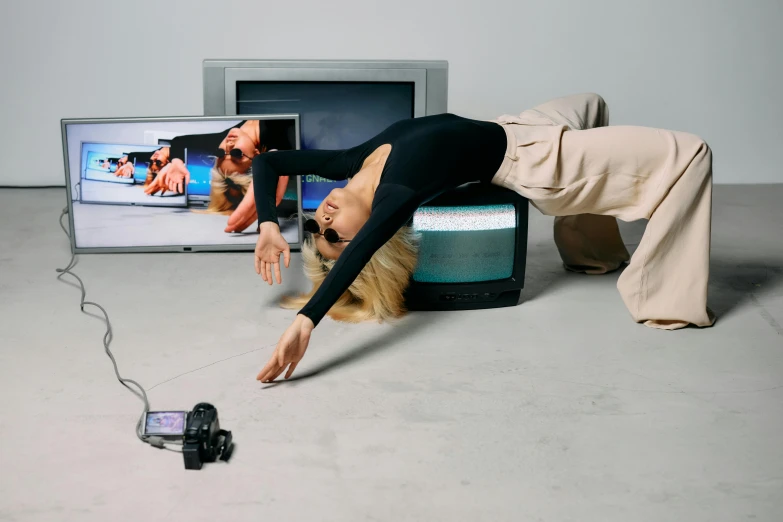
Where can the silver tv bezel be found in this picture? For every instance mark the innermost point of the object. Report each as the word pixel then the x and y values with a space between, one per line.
pixel 171 248
pixel 430 79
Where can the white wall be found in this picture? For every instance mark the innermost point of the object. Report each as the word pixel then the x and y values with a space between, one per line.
pixel 708 67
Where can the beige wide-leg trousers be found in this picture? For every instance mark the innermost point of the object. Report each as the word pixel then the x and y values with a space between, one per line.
pixel 587 243
pixel 569 165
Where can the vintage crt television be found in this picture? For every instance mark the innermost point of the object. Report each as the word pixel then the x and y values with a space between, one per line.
pixel 472 250
pixel 340 103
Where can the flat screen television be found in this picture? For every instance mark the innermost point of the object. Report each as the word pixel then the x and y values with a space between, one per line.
pixel 171 184
pixel 340 103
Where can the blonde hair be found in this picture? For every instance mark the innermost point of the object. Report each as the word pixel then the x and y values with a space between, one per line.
pixel 377 293
pixel 227 190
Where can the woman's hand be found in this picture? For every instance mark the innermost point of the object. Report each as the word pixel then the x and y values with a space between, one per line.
pixel 124 171
pixel 269 246
pixel 290 349
pixel 124 168
pixel 174 177
pixel 245 214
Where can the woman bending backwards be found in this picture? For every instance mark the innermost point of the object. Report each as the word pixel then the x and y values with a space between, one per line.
pixel 561 156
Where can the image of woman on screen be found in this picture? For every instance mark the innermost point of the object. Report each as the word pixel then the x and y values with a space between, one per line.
pixel 562 156
pixel 231 184
pixel 126 164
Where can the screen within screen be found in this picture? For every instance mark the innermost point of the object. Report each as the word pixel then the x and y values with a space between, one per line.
pixel 172 183
pixel 165 423
pixel 333 115
pixel 465 244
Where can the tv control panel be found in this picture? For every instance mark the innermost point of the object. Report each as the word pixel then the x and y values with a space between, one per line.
pixel 469 297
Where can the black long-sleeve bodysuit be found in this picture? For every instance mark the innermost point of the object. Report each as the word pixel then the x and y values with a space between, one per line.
pixel 273 134
pixel 429 155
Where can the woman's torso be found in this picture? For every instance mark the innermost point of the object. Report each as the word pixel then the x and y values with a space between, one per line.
pixel 432 154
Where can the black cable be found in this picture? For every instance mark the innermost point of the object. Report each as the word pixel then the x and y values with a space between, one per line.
pixel 107 339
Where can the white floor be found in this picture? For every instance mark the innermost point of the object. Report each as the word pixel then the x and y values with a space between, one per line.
pixel 559 409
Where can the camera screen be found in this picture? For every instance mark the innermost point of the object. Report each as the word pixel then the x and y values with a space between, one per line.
pixel 165 423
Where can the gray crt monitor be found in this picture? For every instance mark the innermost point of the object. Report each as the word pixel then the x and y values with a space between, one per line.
pixel 341 104
pixel 223 79
pixel 135 214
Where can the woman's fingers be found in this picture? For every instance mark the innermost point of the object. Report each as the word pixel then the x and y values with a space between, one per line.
pixel 266 269
pixel 250 219
pixel 277 274
pixel 276 373
pixel 234 219
pixel 272 369
pixel 268 370
pixel 291 370
pixel 155 187
pixel 287 255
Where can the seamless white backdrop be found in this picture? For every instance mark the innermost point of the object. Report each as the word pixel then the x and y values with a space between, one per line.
pixel 708 67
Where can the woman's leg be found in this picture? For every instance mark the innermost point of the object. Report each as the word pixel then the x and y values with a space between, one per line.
pixel 577 112
pixel 587 243
pixel 590 243
pixel 665 285
pixel 631 173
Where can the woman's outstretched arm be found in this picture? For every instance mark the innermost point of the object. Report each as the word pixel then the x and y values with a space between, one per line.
pixel 268 167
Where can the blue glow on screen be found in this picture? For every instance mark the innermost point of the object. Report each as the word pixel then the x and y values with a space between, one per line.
pixel 140 172
pixel 200 168
pixel 332 116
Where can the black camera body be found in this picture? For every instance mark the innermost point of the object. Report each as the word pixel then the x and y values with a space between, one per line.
pixel 198 431
pixel 203 440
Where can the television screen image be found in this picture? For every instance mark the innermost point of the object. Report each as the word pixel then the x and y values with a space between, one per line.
pixel 472 250
pixel 172 184
pixel 103 183
pixel 465 244
pixel 100 165
pixel 333 115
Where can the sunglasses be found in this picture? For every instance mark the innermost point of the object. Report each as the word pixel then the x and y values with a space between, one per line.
pixel 329 234
pixel 235 153
pixel 157 163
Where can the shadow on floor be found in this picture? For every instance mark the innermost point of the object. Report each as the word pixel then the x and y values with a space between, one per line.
pixel 541 280
pixel 734 283
pixel 411 326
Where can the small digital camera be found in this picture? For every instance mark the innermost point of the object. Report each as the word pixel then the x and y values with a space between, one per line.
pixel 199 430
